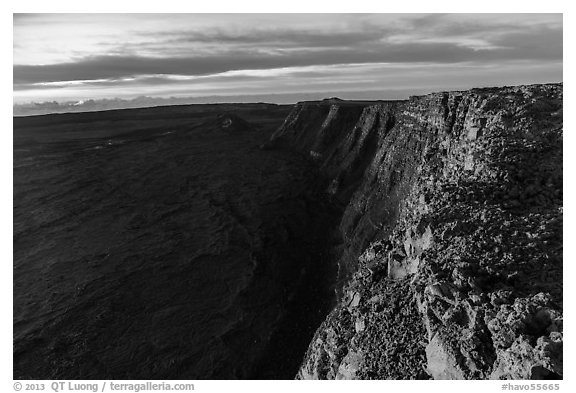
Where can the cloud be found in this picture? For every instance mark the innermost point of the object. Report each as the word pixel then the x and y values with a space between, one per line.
pixel 272 37
pixel 84 53
pixel 536 44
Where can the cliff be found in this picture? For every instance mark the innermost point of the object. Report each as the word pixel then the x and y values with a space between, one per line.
pixel 450 237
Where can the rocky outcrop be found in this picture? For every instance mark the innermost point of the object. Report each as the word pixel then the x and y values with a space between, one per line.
pixel 451 234
pixel 233 123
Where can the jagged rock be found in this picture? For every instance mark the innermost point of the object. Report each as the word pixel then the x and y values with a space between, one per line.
pixel 349 366
pixel 442 361
pixel 355 301
pixel 522 360
pixel 233 123
pixel 400 269
pixel 360 325
pixel 443 290
pixel 465 191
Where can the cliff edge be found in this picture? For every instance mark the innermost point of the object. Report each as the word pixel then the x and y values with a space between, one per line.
pixel 450 238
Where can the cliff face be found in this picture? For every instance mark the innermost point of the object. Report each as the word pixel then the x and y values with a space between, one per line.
pixel 451 234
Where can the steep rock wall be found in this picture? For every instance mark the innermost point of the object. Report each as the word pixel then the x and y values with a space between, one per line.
pixel 451 234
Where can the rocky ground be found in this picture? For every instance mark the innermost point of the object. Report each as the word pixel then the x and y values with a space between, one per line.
pixel 451 248
pixel 163 243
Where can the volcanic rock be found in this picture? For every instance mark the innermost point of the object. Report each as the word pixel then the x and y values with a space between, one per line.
pixel 458 196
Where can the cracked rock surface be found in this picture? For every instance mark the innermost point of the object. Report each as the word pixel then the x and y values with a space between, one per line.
pixel 451 234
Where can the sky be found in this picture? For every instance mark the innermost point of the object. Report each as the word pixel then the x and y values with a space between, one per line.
pixel 77 57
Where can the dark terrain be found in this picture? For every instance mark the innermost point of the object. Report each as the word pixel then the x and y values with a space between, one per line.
pixel 208 241
pixel 163 243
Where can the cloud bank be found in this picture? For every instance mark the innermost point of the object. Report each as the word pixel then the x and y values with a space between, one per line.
pixel 106 56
